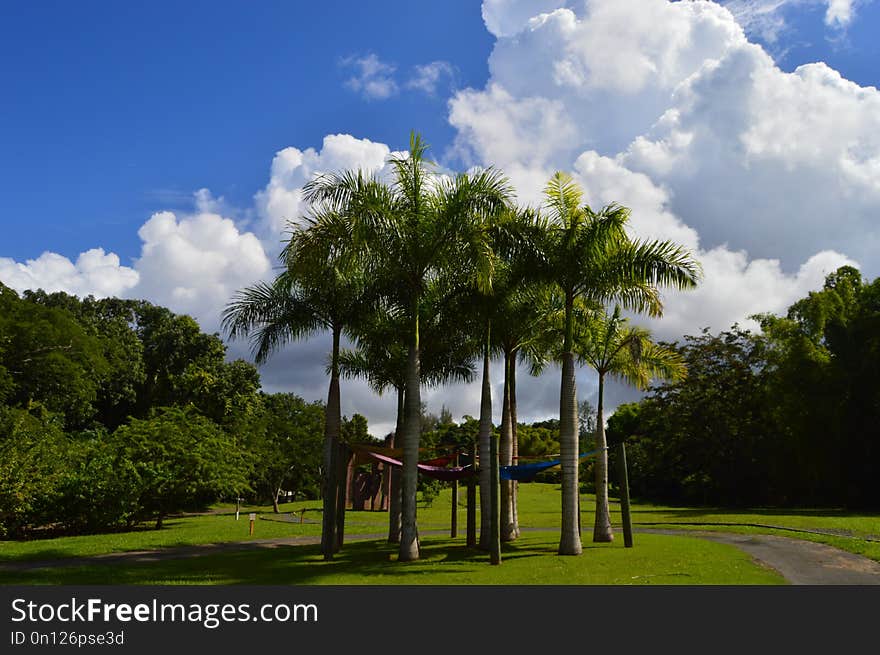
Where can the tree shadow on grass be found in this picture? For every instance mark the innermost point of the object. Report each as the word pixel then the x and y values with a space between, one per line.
pixel 358 563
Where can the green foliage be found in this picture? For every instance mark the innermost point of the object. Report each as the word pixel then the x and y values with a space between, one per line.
pixel 119 344
pixel 539 439
pixel 355 430
pixel 176 460
pixel 286 446
pixel 788 416
pixel 429 488
pixel 33 449
pixel 50 358
pixel 716 434
pixel 82 446
pixel 94 493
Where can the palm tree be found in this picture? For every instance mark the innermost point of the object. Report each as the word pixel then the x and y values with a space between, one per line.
pixel 491 308
pixel 381 357
pixel 588 256
pixel 513 316
pixel 318 290
pixel 614 348
pixel 411 232
pixel 520 318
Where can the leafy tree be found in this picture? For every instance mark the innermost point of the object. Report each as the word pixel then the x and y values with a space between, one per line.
pixel 177 356
pixel 93 493
pixel 824 364
pixel 355 429
pixel 287 451
pixel 33 451
pixel 117 390
pixel 47 357
pixel 537 440
pixel 711 437
pixel 176 460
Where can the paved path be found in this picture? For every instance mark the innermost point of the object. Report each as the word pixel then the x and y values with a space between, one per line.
pixel 799 562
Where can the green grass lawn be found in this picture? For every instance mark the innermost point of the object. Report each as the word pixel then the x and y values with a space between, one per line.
pixel 367 559
pixel 530 560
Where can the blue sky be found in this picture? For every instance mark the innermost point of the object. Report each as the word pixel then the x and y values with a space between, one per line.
pixel 114 111
pixel 155 149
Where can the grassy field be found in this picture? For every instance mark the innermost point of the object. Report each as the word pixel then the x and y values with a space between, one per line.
pixel 367 559
pixel 531 559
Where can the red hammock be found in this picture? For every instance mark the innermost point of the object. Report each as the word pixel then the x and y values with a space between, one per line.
pixel 437 472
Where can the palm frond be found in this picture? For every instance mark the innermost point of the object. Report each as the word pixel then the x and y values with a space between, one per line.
pixel 563 198
pixel 272 315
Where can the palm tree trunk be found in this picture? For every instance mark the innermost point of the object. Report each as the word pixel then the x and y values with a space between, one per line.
pixel 495 532
pixel 332 426
pixel 602 531
pixel 569 540
pixel 394 473
pixel 343 483
pixel 409 546
pixel 514 498
pixel 485 438
pixel 494 527
pixel 506 456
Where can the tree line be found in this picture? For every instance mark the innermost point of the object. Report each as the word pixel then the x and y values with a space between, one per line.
pixel 785 416
pixel 114 412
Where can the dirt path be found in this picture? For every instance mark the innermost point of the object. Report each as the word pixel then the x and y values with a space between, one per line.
pixel 799 562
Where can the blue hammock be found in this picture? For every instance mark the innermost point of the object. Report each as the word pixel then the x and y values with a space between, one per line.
pixel 528 472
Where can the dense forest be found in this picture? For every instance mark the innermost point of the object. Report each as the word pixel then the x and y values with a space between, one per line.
pixel 786 416
pixel 114 412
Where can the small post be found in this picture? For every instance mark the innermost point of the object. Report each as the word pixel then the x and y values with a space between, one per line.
pixel 453 529
pixel 624 496
pixel 252 517
pixel 237 506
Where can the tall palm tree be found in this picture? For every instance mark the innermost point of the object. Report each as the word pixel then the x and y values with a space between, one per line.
pixel 588 256
pixel 614 348
pixel 318 290
pixel 410 232
pixel 519 319
pixel 381 358
pixel 511 316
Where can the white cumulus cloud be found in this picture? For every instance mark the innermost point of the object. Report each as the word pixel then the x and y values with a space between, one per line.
pixel 281 200
pixel 666 107
pixel 94 273
pixel 194 264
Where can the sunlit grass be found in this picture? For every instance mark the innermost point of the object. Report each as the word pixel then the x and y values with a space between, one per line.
pixel 539 510
pixel 531 560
